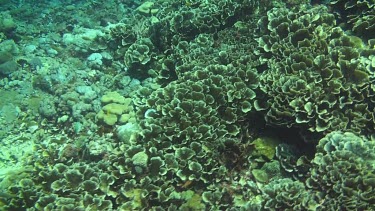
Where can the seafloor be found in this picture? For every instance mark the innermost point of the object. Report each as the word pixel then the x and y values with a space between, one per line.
pixel 187 105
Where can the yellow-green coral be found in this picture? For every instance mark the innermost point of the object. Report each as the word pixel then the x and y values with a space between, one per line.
pixel 116 109
pixel 193 201
pixel 147 8
pixel 115 97
pixel 135 195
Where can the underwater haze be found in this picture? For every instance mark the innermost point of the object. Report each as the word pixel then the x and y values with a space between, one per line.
pixel 189 105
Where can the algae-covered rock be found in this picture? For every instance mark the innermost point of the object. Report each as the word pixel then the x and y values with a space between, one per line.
pixel 260 175
pixel 147 8
pixel 140 161
pixel 265 146
pixel 7 63
pixel 5 56
pixel 47 109
pixel 7 23
pixel 127 131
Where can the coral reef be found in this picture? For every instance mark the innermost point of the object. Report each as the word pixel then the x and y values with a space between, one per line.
pixel 343 172
pixel 187 105
pixel 314 78
pixel 357 16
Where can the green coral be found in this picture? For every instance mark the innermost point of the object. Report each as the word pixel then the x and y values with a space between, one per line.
pixel 202 110
pixel 343 172
pixel 63 185
pixel 357 16
pixel 138 58
pixel 286 194
pixel 340 178
pixel 314 76
pixel 207 17
pixel 201 139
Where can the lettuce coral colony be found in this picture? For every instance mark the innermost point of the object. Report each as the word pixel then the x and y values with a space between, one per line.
pixel 187 105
